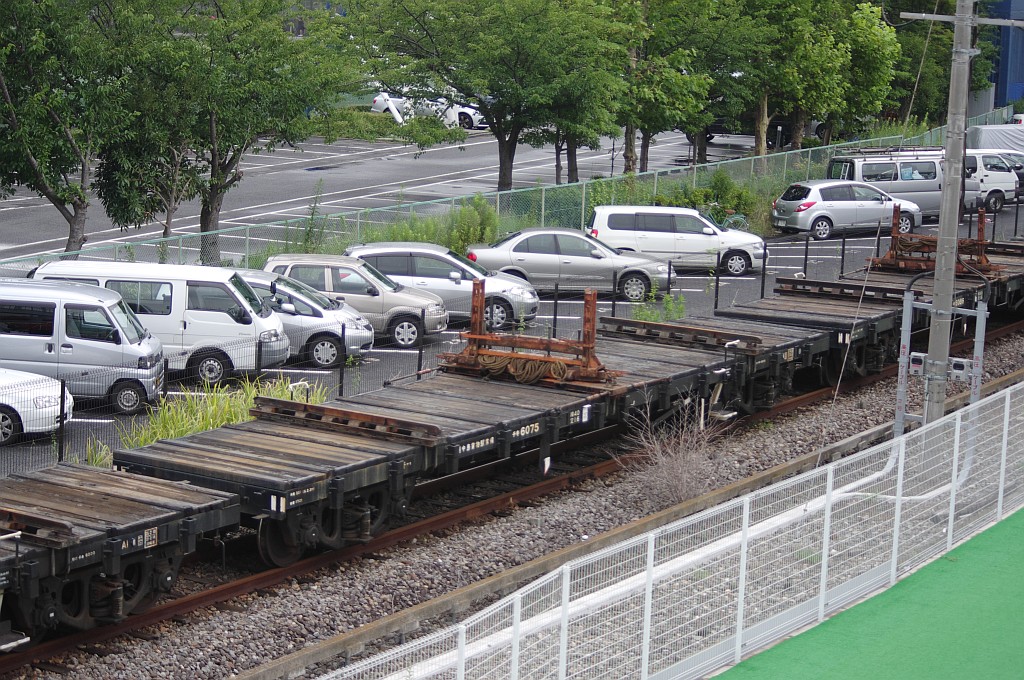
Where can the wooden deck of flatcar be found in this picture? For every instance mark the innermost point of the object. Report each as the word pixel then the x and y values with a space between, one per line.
pixel 95 544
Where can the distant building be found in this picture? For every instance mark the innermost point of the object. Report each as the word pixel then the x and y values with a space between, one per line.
pixel 1009 73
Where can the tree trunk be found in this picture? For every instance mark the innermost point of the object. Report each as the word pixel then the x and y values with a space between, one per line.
pixel 645 149
pixel 629 149
pixel 559 145
pixel 209 222
pixel 570 160
pixel 506 159
pixel 76 228
pixel 700 141
pixel 761 126
pixel 799 123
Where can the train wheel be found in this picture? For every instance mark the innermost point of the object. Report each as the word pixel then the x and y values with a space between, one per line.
pixel 275 548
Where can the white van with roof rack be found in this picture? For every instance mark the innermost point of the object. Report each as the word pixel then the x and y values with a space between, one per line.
pixel 84 335
pixel 211 322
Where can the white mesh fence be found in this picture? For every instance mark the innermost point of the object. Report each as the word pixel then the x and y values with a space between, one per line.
pixel 700 593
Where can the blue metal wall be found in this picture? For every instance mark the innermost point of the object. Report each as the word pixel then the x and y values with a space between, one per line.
pixel 1010 67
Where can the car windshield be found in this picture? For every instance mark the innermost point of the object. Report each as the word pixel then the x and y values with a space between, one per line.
pixel 308 292
pixel 254 301
pixel 468 264
pixel 383 279
pixel 132 330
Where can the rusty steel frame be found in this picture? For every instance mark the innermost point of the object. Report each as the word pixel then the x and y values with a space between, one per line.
pixel 583 364
pixel 917 253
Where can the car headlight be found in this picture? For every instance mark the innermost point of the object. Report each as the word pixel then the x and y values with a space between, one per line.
pixel 270 336
pixel 150 361
pixel 662 268
pixel 758 247
pixel 46 402
pixel 435 308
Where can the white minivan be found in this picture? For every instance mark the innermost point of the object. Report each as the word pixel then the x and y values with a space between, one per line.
pixel 996 175
pixel 681 235
pixel 211 322
pixel 82 334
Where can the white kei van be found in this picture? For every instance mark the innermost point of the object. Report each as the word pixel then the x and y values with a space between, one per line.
pixel 82 334
pixel 209 319
pixel 996 174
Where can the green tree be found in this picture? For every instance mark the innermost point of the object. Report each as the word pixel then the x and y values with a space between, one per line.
pixel 662 89
pixel 511 60
pixel 62 96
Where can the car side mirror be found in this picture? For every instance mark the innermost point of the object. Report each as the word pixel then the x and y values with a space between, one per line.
pixel 597 254
pixel 287 308
pixel 708 231
pixel 115 336
pixel 370 290
pixel 1018 166
pixel 455 276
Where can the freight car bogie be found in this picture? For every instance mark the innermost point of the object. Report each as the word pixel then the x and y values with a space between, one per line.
pixel 88 597
pixel 321 526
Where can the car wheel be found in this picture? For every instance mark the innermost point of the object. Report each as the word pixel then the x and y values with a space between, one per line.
pixel 995 201
pixel 736 263
pixel 634 287
pixel 128 398
pixel 497 314
pixel 325 351
pixel 10 426
pixel 819 131
pixel 211 368
pixel 906 223
pixel 821 228
pixel 465 121
pixel 405 332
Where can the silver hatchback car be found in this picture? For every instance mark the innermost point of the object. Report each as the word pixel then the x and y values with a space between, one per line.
pixel 314 323
pixel 573 260
pixel 434 268
pixel 825 206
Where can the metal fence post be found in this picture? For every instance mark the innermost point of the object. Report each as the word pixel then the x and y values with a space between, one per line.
pixel 894 561
pixel 807 252
pixel 60 425
pixel 554 314
pixel 583 205
pixel 826 541
pixel 957 428
pixel 645 654
pixel 1002 455
pixel 656 173
pixel 741 590
pixel 718 276
pixel 341 366
pixel 259 357
pixel 517 616
pixel 563 634
pixel 419 342
pixel 764 272
pixel 543 198
pixel 842 257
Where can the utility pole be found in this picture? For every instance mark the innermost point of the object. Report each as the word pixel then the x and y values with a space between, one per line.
pixel 937 364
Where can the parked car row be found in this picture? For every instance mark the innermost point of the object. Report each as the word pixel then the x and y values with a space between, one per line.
pixel 452 115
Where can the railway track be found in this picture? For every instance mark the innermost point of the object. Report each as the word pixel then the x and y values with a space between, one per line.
pixel 504 470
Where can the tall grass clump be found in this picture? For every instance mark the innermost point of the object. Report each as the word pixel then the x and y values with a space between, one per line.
pixel 209 407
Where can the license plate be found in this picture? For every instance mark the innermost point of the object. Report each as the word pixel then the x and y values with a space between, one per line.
pixel 780 223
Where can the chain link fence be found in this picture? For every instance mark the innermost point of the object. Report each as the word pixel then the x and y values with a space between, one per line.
pixel 703 592
pixel 445 220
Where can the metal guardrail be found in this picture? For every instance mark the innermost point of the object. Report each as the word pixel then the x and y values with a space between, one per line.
pixel 700 593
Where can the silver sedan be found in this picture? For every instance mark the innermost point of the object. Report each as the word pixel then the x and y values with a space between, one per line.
pixel 573 260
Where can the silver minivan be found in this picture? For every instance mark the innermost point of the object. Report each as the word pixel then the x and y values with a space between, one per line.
pixel 398 312
pixel 83 334
pixel 314 323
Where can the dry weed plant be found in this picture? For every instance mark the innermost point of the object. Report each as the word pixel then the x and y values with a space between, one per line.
pixel 672 460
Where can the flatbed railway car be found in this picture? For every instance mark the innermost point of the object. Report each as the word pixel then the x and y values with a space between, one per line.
pixel 83 546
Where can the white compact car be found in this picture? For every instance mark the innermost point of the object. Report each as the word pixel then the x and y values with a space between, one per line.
pixel 450 114
pixel 30 404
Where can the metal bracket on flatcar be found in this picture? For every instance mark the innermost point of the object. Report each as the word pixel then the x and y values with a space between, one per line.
pixel 917 252
pixel 682 335
pixel 335 418
pixel 580 365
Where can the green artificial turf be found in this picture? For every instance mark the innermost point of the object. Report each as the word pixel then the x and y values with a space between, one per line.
pixel 962 616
